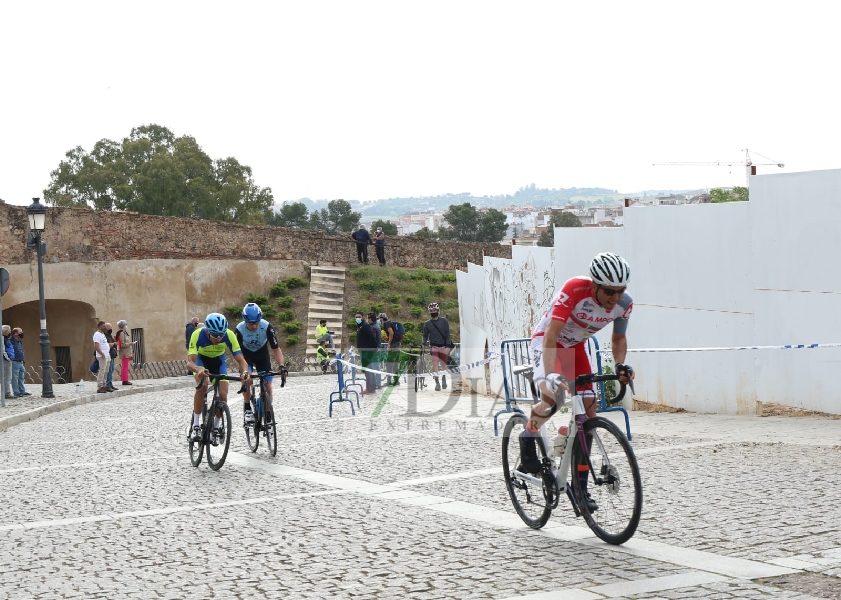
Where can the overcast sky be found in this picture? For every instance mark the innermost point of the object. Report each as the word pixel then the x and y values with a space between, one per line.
pixel 368 100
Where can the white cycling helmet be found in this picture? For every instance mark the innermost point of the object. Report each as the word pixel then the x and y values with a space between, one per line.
pixel 610 269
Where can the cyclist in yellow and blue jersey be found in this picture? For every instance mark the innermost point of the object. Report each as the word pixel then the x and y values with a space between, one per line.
pixel 206 355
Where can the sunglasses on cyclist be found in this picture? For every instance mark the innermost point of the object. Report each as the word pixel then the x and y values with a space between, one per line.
pixel 215 336
pixel 609 292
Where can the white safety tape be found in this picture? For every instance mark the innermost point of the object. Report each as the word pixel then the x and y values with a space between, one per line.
pixel 717 349
pixel 451 370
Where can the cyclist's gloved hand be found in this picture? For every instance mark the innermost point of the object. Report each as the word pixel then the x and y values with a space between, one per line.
pixel 626 371
pixel 555 382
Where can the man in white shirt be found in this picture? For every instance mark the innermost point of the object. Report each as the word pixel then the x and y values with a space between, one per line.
pixel 103 355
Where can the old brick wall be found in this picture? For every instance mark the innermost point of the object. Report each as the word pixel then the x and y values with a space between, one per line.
pixel 83 235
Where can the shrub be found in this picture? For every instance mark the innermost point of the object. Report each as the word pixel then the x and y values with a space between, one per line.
pixel 391 297
pixel 291 340
pixel 351 324
pixel 295 282
pixel 269 311
pixel 437 288
pixel 286 316
pixel 422 274
pixel 416 311
pixel 394 309
pixel 375 285
pixel 412 300
pixel 256 299
pixel 448 277
pixel 409 326
pixel 292 326
pixel 233 311
pixel 361 272
pixel 279 289
pixel 411 339
pixel 285 301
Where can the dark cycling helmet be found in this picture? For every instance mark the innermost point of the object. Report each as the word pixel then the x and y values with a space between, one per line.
pixel 216 324
pixel 610 269
pixel 252 313
pixel 432 306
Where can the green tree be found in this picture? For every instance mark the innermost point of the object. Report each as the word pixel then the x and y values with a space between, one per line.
pixel 463 222
pixel 153 172
pixel 547 239
pixel 338 217
pixel 389 228
pixel 562 218
pixel 492 226
pixel 426 233
pixel 737 194
pixel 293 214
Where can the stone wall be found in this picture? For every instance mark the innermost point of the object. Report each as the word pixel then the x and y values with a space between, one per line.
pixel 83 235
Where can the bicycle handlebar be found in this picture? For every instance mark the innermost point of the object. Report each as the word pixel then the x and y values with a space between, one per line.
pixel 219 377
pixel 528 370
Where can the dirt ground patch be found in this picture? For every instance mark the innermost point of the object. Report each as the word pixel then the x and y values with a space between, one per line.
pixel 651 407
pixel 814 584
pixel 772 409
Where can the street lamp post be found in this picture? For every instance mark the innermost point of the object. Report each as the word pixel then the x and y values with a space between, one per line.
pixel 37 214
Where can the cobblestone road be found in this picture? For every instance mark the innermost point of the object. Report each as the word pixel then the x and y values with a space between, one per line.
pixel 101 502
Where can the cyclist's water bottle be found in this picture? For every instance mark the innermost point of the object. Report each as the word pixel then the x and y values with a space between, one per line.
pixel 561 440
pixel 81 385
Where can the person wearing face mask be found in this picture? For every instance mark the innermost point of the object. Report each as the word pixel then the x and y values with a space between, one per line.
pixel 436 333
pixel 379 245
pixel 18 370
pixel 8 357
pixel 367 344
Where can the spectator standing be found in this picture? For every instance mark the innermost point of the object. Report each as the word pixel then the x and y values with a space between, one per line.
pixel 125 347
pixel 379 245
pixel 367 344
pixel 362 238
pixel 8 357
pixel 436 333
pixel 18 368
pixel 321 333
pixel 103 355
pixel 191 327
pixel 375 328
pixel 392 348
pixel 112 354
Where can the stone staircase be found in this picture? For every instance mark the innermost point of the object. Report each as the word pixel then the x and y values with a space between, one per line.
pixel 327 296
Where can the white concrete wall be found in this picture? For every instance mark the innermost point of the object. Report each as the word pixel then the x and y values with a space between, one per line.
pixel 759 273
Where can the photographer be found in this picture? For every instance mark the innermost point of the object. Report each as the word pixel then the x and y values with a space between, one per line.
pixel 322 334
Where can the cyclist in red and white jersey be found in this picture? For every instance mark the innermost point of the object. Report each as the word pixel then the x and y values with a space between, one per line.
pixel 582 307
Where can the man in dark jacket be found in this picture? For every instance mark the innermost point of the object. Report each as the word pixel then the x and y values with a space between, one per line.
pixel 367 345
pixel 362 238
pixel 191 327
pixel 18 370
pixel 436 333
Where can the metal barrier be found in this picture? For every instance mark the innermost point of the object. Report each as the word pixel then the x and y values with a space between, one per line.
pixel 517 352
pixel 158 370
pixel 342 394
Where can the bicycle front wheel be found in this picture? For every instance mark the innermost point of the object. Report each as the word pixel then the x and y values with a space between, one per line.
pixel 196 448
pixel 270 430
pixel 252 431
pixel 526 495
pixel 219 438
pixel 610 498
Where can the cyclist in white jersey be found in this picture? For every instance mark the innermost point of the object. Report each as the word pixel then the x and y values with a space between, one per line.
pixel 582 307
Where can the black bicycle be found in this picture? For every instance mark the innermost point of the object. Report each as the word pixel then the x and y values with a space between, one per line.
pixel 594 451
pixel 420 369
pixel 263 414
pixel 215 427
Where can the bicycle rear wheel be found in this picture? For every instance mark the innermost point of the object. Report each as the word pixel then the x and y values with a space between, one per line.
pixel 614 482
pixel 219 437
pixel 270 430
pixel 196 448
pixel 252 431
pixel 526 496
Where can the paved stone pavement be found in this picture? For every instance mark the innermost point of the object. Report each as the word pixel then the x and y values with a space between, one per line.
pixel 101 502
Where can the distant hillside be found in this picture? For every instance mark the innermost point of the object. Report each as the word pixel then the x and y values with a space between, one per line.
pixel 531 195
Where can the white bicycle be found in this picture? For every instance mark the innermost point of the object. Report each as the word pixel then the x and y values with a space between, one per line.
pixel 609 497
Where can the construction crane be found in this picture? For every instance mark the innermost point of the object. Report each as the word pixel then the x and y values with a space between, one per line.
pixel 750 166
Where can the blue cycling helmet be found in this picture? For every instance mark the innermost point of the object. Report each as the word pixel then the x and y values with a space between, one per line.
pixel 216 324
pixel 252 313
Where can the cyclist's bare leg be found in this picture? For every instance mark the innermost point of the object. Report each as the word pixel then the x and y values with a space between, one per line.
pixel 201 391
pixel 268 385
pixel 544 409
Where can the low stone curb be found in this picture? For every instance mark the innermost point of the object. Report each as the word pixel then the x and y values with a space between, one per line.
pixel 30 415
pixel 60 405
